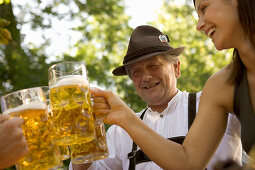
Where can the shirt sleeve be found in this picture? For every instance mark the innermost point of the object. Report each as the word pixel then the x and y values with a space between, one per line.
pixel 230 146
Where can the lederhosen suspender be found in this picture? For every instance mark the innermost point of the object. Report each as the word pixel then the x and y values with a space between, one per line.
pixel 137 156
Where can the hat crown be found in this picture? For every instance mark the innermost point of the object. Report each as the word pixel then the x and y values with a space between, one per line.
pixel 146 39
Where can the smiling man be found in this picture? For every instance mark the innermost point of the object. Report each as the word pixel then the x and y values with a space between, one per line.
pixel 153 66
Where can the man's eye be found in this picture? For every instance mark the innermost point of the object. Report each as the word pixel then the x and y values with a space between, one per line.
pixel 154 66
pixel 134 72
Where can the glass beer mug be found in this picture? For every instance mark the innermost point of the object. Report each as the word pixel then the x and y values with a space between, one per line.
pixel 94 150
pixel 72 117
pixel 63 149
pixel 91 151
pixel 30 105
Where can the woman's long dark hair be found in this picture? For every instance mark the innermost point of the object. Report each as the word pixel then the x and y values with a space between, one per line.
pixel 246 14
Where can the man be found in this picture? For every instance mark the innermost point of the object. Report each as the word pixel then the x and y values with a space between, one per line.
pixel 153 66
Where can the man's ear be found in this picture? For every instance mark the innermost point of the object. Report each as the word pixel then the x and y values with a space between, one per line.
pixel 177 69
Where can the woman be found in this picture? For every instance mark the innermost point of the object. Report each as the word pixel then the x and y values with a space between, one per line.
pixel 230 24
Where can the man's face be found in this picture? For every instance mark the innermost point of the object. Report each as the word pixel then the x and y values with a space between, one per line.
pixel 155 79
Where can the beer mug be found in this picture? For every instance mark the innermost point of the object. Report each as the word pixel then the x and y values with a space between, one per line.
pixel 63 149
pixel 64 152
pixel 91 151
pixel 72 117
pixel 94 150
pixel 30 105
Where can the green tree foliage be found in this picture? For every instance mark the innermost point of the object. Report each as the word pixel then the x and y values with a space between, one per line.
pixel 200 59
pixel 101 23
pixel 105 33
pixel 20 67
pixel 5 35
pixel 103 51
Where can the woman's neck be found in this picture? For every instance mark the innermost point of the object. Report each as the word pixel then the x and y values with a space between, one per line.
pixel 247 55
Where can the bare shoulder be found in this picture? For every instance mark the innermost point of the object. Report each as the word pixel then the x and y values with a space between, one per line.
pixel 219 91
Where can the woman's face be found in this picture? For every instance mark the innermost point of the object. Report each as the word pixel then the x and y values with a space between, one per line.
pixel 219 20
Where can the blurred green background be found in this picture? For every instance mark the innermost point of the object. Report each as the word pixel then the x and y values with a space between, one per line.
pixel 103 29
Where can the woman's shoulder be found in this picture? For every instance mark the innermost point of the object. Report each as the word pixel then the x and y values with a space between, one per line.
pixel 221 77
pixel 218 88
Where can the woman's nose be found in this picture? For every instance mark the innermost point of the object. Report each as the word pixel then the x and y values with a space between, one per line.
pixel 200 24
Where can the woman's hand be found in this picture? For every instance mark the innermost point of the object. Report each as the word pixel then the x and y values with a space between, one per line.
pixel 108 104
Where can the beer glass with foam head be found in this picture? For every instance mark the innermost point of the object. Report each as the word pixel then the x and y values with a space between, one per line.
pixel 63 149
pixel 72 117
pixel 30 105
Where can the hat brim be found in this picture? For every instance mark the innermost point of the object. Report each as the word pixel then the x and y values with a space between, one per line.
pixel 121 70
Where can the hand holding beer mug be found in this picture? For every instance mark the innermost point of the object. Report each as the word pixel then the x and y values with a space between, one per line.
pixel 71 113
pixel 30 105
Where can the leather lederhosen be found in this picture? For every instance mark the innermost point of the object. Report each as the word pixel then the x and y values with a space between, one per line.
pixel 137 156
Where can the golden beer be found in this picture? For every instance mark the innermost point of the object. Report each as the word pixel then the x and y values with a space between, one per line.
pixel 43 153
pixel 64 152
pixel 72 118
pixel 91 151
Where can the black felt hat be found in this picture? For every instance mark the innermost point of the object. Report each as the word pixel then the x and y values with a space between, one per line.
pixel 146 41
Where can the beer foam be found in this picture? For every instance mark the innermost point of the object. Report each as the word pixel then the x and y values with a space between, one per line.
pixel 71 80
pixel 33 105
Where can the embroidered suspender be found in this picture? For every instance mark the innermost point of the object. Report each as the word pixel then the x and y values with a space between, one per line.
pixel 137 156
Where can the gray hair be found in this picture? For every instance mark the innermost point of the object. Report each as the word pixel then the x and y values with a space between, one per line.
pixel 170 59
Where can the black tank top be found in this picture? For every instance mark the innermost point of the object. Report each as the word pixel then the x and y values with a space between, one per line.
pixel 244 112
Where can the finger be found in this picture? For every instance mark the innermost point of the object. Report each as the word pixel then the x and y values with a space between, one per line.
pixel 101 112
pixel 98 92
pixel 3 118
pixel 16 121
pixel 99 99
pixel 101 106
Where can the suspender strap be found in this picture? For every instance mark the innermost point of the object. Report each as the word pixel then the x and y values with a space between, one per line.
pixel 137 156
pixel 141 157
pixel 191 108
pixel 132 154
pixel 132 157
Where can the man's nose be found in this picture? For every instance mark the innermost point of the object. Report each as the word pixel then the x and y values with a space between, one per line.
pixel 146 75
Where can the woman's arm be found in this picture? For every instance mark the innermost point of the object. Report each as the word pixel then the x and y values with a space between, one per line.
pixel 201 141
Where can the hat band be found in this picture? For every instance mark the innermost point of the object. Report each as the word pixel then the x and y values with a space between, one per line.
pixel 144 51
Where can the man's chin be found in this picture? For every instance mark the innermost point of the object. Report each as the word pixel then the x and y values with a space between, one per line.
pixel 152 101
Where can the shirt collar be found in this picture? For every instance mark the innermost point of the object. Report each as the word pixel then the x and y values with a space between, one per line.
pixel 170 105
